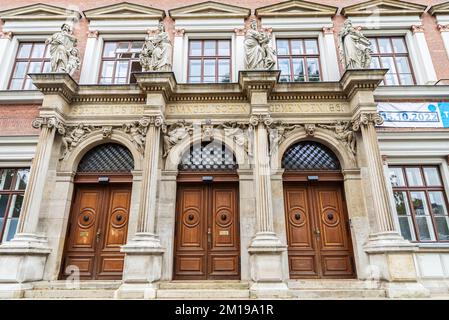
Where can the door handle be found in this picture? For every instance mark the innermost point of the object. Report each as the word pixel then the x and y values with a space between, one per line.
pixel 97 236
pixel 317 233
pixel 209 235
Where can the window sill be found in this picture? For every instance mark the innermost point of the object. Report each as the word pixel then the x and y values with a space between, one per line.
pixel 433 247
pixel 20 96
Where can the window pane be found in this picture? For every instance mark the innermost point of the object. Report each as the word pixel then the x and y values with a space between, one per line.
pixel 396 177
pixel 399 45
pixel 22 179
pixel 313 69
pixel 35 67
pixel 209 68
pixel 311 46
pixel 16 206
pixel 47 67
pixel 121 70
pixel 107 69
pixel 109 49
pixel 29 84
pixel 3 204
pixel 406 79
pixel 414 177
pixel 374 47
pixel 136 46
pixel 210 48
pixel 106 81
pixel 297 46
pixel 423 219
pixel 6 176
pixel 195 48
pixel 402 64
pixel 388 63
pixel 195 68
pixel 385 45
pixel 120 81
pixel 24 50
pixel 432 176
pixel 38 50
pixel 375 63
pixel 298 69
pixel 10 230
pixel 403 211
pixel 16 84
pixel 122 47
pixel 282 47
pixel 224 48
pixel 284 66
pixel 391 79
pixel 20 70
pixel 224 70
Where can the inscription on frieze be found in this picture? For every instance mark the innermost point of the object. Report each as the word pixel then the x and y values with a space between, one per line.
pixel 210 108
pixel 309 107
pixel 112 110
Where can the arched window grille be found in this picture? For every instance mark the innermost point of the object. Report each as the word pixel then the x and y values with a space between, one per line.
pixel 208 156
pixel 309 155
pixel 109 157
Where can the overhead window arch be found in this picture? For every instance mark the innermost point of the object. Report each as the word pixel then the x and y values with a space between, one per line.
pixel 208 156
pixel 109 157
pixel 310 155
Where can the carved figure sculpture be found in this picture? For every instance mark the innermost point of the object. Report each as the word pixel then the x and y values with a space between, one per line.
pixel 259 55
pixel 174 134
pixel 344 132
pixel 355 48
pixel 156 53
pixel 64 56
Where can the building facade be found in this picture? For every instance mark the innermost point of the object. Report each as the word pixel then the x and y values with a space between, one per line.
pixel 306 179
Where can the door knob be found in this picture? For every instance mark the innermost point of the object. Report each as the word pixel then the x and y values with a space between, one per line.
pixel 317 232
pixel 209 235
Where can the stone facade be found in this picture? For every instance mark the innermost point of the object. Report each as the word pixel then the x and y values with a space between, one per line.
pixel 159 116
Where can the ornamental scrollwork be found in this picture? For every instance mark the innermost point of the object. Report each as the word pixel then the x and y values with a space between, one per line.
pixel 344 131
pixel 365 119
pixel 137 130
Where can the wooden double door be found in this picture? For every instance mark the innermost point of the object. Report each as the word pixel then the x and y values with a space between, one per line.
pixel 207 243
pixel 98 227
pixel 319 242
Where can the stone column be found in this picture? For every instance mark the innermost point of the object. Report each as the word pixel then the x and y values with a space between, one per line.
pixel 444 30
pixel 239 49
pixel 178 57
pixel 92 59
pixel 5 48
pixel 424 57
pixel 330 53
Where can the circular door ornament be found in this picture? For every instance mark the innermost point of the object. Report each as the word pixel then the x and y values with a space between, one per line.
pixel 297 217
pixel 191 218
pixel 119 218
pixel 223 218
pixel 330 217
pixel 86 218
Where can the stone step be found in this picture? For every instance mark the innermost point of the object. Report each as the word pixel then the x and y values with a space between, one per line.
pixel 69 294
pixel 330 284
pixel 202 294
pixel 338 294
pixel 81 285
pixel 202 285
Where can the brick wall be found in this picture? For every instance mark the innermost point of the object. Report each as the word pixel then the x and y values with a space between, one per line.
pixel 16 119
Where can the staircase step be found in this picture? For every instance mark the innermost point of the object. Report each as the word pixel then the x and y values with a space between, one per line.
pixel 81 285
pixel 202 294
pixel 337 294
pixel 69 294
pixel 332 284
pixel 203 285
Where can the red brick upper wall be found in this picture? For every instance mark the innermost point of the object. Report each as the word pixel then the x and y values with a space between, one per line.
pixel 434 40
pixel 16 119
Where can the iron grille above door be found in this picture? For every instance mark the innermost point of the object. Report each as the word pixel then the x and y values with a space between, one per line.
pixel 208 156
pixel 309 155
pixel 109 157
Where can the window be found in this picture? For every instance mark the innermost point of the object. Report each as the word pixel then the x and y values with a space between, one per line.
pixel 12 187
pixel 391 53
pixel 119 59
pixel 32 57
pixel 298 59
pixel 421 203
pixel 209 61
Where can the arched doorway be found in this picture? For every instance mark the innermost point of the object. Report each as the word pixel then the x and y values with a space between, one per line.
pixel 207 241
pixel 318 232
pixel 98 222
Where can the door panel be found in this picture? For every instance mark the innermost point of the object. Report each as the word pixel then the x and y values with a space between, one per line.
pixel 319 244
pixel 97 228
pixel 207 238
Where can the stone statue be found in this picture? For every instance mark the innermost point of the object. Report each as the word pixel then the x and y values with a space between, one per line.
pixel 344 132
pixel 156 54
pixel 355 50
pixel 64 56
pixel 137 134
pixel 239 134
pixel 174 134
pixel 279 132
pixel 71 138
pixel 259 55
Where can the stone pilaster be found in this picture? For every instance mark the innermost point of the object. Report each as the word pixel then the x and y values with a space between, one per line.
pixel 266 250
pixel 143 259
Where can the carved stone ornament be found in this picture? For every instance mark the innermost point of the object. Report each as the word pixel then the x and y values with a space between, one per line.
pixel 72 136
pixel 156 54
pixel 64 54
pixel 240 134
pixel 354 47
pixel 278 132
pixel 49 122
pixel 366 119
pixel 175 133
pixel 259 54
pixel 310 129
pixel 344 131
pixel 137 130
pixel 260 118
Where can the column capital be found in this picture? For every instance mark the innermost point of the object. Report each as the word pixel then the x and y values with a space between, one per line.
pixel 367 118
pixel 6 35
pixel 260 118
pixel 443 27
pixel 179 32
pixel 93 34
pixel 417 29
pixel 49 122
pixel 240 31
pixel 328 30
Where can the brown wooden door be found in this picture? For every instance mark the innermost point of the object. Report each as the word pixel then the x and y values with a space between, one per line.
pixel 206 233
pixel 97 229
pixel 319 243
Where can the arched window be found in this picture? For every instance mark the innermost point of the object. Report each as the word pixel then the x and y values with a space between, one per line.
pixel 109 157
pixel 309 155
pixel 208 156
